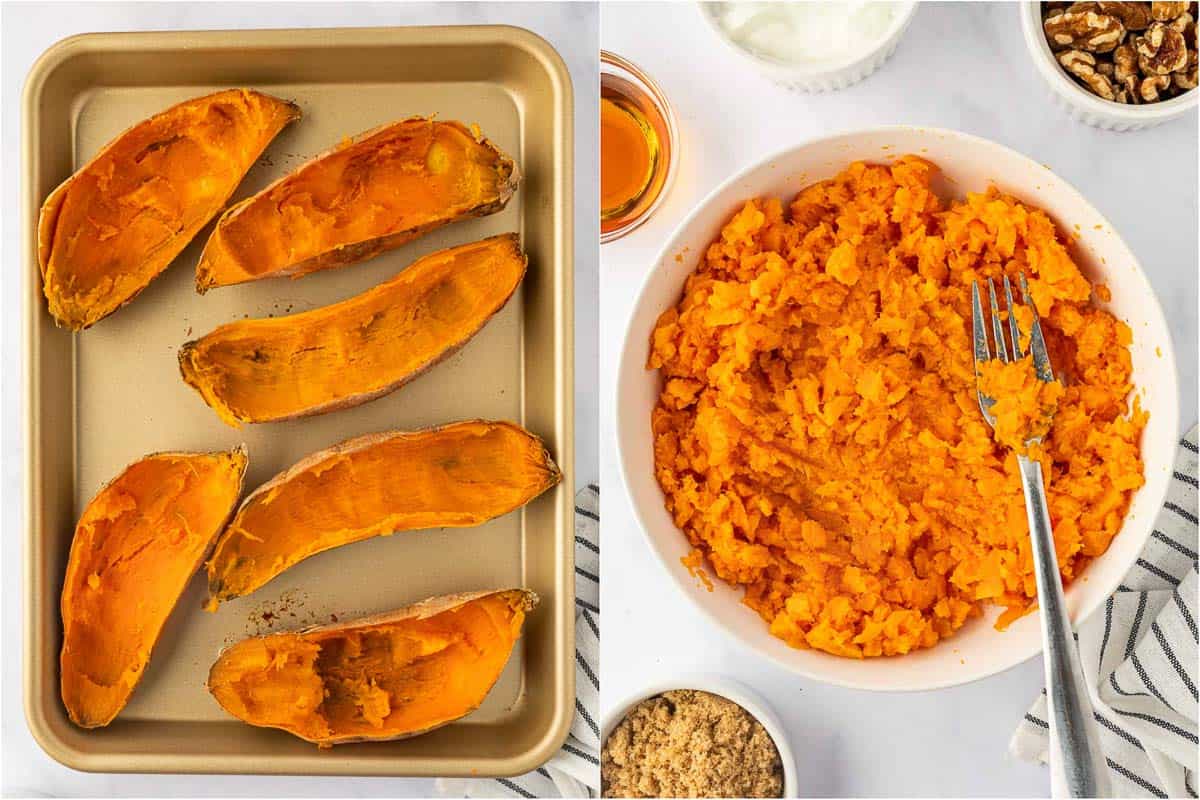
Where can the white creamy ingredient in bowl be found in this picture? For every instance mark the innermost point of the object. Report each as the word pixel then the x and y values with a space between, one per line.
pixel 804 32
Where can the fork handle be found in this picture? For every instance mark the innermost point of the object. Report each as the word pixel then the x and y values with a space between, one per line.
pixel 1073 733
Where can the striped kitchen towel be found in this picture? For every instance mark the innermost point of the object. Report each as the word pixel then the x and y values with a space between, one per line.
pixel 574 771
pixel 1143 653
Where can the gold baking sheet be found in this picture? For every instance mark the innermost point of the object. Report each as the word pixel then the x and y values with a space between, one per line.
pixel 103 398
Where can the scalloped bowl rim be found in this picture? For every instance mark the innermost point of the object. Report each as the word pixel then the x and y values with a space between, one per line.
pixel 816 69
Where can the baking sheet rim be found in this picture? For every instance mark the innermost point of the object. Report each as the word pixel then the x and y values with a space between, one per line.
pixel 44 730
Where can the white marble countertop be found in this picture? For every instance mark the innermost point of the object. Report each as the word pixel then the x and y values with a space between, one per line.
pixel 28 29
pixel 959 66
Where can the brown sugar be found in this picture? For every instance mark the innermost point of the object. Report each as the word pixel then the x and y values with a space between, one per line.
pixel 688 743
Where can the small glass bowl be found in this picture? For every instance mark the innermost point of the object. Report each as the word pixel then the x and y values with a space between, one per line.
pixel 615 65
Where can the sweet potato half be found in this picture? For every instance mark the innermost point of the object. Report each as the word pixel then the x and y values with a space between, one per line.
pixel 454 476
pixel 390 676
pixel 378 191
pixel 114 225
pixel 137 545
pixel 263 370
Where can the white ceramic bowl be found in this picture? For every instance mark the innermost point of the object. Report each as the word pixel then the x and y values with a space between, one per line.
pixel 730 690
pixel 1081 104
pixel 968 163
pixel 822 76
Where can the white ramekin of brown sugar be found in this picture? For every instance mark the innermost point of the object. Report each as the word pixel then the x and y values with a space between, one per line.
pixel 737 693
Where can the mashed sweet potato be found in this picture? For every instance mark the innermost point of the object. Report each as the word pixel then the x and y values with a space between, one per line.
pixel 818 436
pixel 1023 407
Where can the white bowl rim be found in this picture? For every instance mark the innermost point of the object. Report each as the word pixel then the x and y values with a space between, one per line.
pixel 669 244
pixel 816 69
pixel 734 691
pixel 1053 74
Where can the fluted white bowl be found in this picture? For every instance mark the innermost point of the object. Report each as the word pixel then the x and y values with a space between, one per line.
pixel 1082 105
pixel 821 76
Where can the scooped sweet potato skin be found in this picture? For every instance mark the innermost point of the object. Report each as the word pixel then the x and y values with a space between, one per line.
pixel 373 193
pixel 453 476
pixel 137 544
pixel 118 222
pixel 265 370
pixel 389 676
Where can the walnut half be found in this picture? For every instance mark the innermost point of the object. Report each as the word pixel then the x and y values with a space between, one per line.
pixel 1134 16
pixel 1161 50
pixel 1151 87
pixel 1125 61
pixel 1083 66
pixel 1164 12
pixel 1186 25
pixel 1083 30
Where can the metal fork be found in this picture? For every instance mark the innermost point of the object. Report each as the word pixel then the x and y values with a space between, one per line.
pixel 1074 744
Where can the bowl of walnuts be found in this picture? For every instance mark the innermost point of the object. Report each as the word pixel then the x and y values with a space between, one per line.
pixel 1117 66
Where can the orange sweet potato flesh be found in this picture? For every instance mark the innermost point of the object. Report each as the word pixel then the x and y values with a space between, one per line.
pixel 390 676
pixel 264 370
pixel 118 222
pixel 818 436
pixel 376 192
pixel 453 476
pixel 136 546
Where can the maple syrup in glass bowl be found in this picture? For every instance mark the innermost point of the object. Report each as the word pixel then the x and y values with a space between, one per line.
pixel 638 146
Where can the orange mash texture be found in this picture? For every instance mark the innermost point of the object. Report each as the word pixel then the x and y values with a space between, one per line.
pixel 818 436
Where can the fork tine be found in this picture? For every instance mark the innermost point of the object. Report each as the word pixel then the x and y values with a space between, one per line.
pixel 979 331
pixel 997 327
pixel 1037 343
pixel 1012 321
